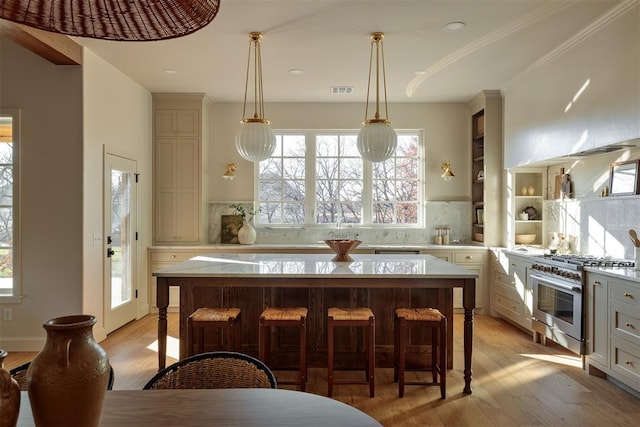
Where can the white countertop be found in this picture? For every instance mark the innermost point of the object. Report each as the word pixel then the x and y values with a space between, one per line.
pixel 321 245
pixel 625 273
pixel 315 265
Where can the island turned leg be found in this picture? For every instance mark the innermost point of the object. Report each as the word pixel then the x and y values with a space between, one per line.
pixel 468 349
pixel 162 301
pixel 468 301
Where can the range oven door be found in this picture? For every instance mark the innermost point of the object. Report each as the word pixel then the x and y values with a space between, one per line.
pixel 557 304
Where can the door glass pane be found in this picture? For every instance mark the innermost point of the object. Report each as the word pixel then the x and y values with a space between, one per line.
pixel 121 231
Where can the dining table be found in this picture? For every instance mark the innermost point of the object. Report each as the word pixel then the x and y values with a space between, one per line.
pixel 218 407
pixel 392 279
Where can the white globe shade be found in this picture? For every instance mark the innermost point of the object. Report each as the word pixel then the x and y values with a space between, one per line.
pixel 377 142
pixel 255 141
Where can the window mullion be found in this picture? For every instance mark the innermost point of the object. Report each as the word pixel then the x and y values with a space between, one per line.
pixel 367 192
pixel 310 178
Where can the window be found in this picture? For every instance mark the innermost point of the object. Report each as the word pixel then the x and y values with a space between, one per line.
pixel 319 177
pixel 8 202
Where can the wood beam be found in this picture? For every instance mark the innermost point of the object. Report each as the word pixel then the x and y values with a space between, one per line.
pixel 56 48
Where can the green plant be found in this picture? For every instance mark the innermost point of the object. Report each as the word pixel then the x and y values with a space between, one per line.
pixel 244 212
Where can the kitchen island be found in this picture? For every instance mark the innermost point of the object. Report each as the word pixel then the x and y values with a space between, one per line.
pixel 252 281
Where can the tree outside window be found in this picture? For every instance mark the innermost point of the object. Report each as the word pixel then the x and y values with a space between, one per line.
pixel 345 188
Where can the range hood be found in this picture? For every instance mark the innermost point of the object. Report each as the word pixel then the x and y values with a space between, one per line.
pixel 600 150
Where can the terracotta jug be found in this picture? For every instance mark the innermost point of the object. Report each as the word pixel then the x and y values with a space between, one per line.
pixel 9 399
pixel 67 380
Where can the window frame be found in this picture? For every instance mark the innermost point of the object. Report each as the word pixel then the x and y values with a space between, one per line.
pixel 14 294
pixel 367 191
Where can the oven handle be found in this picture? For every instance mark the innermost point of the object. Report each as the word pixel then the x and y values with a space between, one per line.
pixel 558 284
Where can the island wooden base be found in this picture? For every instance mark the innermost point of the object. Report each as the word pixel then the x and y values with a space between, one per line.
pixel 349 342
pixel 382 294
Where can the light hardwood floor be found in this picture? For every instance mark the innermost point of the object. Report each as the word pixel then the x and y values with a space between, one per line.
pixel 515 382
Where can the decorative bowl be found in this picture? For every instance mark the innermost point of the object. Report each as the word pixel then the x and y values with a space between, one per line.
pixel 342 247
pixel 525 239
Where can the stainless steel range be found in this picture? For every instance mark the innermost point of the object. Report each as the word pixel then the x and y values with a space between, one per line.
pixel 558 297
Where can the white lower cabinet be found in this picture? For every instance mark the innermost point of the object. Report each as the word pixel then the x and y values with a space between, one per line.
pixel 597 320
pixel 511 293
pixel 472 260
pixel 613 328
pixel 163 258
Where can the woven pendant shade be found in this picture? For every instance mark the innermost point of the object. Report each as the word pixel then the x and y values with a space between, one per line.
pixel 121 20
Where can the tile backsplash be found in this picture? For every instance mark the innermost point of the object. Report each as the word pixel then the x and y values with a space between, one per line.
pixel 600 224
pixel 456 215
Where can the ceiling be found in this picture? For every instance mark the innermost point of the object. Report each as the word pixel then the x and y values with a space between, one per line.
pixel 329 41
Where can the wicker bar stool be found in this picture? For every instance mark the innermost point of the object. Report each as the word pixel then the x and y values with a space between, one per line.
pixel 405 319
pixel 288 317
pixel 226 318
pixel 362 317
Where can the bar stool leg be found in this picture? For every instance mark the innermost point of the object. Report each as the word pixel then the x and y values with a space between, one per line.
pixel 435 335
pixel 237 328
pixel 371 345
pixel 265 343
pixel 402 356
pixel 303 354
pixel 330 357
pixel 396 349
pixel 443 359
pixel 191 336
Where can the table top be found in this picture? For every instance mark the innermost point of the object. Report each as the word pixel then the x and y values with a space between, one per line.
pixel 219 407
pixel 316 265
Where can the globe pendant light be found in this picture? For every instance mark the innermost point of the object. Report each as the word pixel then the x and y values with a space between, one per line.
pixel 255 140
pixel 377 141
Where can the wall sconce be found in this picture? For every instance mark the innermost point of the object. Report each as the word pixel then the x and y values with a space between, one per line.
pixel 446 171
pixel 230 173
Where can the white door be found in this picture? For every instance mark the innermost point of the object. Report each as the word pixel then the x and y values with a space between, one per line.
pixel 120 241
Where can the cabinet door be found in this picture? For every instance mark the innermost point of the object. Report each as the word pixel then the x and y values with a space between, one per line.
pixel 597 326
pixel 177 190
pixel 169 122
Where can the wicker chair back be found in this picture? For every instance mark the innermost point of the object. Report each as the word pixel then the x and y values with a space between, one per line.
pixel 218 369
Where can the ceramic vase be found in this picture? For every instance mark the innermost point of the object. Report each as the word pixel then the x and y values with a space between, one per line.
pixel 246 234
pixel 531 190
pixel 524 190
pixel 67 380
pixel 9 400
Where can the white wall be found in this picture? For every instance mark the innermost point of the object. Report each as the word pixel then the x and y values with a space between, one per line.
pixel 447 136
pixel 537 124
pixel 68 113
pixel 51 156
pixel 117 115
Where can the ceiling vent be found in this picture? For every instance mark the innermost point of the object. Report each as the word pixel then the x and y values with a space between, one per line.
pixel 345 90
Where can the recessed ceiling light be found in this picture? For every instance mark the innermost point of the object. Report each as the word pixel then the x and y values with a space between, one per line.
pixel 296 71
pixel 170 71
pixel 420 73
pixel 454 26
